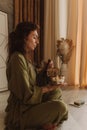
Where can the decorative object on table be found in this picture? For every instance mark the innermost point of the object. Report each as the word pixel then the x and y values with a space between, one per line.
pixel 64 51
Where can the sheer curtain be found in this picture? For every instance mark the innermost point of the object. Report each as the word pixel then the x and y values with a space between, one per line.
pixel 51 31
pixel 76 30
pixel 83 72
pixel 72 30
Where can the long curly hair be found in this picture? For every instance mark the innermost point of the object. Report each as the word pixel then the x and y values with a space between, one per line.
pixel 16 39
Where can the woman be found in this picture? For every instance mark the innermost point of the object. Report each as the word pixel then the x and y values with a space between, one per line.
pixel 29 106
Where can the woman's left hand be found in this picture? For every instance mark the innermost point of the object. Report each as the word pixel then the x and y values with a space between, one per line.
pixel 49 88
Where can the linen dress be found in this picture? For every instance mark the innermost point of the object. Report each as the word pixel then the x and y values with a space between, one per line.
pixel 27 106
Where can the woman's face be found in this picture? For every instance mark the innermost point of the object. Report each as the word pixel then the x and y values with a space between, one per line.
pixel 31 41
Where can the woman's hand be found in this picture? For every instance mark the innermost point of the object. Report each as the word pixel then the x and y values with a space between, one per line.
pixel 49 88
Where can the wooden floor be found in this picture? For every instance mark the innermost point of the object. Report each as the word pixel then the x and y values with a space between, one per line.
pixel 77 116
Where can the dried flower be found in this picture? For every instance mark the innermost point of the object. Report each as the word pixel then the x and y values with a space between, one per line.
pixel 64 49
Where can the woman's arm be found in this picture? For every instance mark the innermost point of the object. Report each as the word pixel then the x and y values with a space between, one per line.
pixel 19 83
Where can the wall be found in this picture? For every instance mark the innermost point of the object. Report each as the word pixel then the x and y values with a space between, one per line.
pixel 7 6
pixel 6 26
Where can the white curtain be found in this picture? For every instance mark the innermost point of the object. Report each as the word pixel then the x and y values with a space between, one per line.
pixel 72 34
pixel 55 27
pixel 51 24
pixel 76 30
pixel 63 8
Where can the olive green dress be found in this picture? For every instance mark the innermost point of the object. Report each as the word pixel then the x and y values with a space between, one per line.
pixel 27 105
